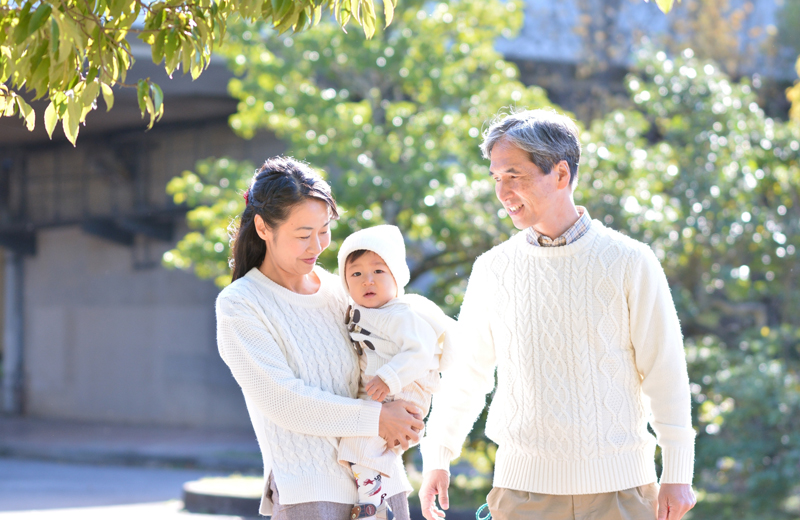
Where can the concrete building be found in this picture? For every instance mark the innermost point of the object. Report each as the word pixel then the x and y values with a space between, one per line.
pixel 94 328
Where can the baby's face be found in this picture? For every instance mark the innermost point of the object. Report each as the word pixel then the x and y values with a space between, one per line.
pixel 370 281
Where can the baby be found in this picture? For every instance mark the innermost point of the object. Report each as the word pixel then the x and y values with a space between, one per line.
pixel 400 340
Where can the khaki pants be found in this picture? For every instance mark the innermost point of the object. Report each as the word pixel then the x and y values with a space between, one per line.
pixel 639 503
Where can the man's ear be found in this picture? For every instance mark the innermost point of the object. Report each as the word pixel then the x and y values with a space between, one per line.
pixel 561 169
pixel 264 232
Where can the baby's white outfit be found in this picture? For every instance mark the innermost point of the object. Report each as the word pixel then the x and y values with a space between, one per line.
pixel 403 342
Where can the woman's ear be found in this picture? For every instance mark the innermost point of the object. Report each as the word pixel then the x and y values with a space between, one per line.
pixel 264 232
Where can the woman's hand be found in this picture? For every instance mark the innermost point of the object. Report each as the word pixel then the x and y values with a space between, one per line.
pixel 377 389
pixel 399 423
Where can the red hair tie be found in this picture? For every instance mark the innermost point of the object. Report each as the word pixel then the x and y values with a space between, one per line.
pixel 247 197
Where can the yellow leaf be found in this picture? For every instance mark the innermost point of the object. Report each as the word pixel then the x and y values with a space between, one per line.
pixel 90 93
pixel 148 101
pixel 50 119
pixel 70 127
pixel 27 113
pixel 388 11
pixel 108 95
pixel 665 5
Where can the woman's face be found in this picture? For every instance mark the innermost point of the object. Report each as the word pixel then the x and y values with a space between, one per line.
pixel 294 246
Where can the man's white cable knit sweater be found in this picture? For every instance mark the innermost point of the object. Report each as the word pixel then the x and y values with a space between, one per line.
pixel 587 345
pixel 291 356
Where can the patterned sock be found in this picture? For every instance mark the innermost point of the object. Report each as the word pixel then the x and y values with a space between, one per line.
pixel 370 485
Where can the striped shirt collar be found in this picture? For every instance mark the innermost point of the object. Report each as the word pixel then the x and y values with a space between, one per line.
pixel 569 236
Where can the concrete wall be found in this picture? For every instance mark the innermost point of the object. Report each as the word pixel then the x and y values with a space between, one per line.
pixel 105 341
pixel 110 334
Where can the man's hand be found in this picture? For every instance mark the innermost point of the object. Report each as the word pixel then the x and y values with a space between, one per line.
pixel 674 500
pixel 399 423
pixel 434 483
pixel 377 389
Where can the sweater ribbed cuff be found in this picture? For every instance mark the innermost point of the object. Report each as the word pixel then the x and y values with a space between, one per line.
pixel 368 419
pixel 678 465
pixel 391 379
pixel 435 456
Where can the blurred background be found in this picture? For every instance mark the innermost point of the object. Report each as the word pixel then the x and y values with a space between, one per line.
pixel 113 251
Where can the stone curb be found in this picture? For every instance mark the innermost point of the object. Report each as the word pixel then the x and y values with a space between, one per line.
pixel 198 502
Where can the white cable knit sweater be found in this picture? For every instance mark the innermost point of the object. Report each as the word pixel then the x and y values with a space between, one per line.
pixel 587 344
pixel 291 355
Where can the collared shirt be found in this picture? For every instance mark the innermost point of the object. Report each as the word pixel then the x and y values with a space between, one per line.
pixel 577 230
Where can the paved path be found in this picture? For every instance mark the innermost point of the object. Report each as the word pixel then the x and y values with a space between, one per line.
pixel 224 450
pixel 88 471
pixel 32 489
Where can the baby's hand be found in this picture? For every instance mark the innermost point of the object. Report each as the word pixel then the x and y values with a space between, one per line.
pixel 377 389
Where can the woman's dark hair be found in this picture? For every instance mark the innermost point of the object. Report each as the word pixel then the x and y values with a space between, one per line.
pixel 280 184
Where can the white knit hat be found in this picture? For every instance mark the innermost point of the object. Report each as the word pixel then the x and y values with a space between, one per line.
pixel 387 242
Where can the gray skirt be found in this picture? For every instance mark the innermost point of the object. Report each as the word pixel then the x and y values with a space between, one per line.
pixel 327 510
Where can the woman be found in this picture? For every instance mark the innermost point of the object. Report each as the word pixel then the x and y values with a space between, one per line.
pixel 280 329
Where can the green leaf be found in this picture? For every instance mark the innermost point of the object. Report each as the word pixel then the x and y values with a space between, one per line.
pixel 141 93
pixel 158 99
pixel 50 119
pixel 188 52
pixel 54 39
pixel 302 20
pixel 39 18
pixel 266 9
pixel 92 74
pixel 21 32
pixel 279 9
pixel 287 22
pixel 171 51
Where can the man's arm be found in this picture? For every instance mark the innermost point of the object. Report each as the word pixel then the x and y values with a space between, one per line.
pixel 661 362
pixel 462 396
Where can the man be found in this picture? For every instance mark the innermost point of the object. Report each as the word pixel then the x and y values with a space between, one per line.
pixel 580 324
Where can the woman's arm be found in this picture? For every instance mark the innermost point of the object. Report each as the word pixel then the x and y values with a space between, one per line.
pixel 260 367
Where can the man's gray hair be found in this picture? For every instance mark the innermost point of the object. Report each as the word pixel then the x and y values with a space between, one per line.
pixel 549 138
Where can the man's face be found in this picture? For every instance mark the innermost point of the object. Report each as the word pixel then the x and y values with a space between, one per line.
pixel 527 194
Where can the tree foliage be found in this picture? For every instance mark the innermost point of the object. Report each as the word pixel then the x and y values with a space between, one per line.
pixel 794 95
pixel 700 173
pixel 395 122
pixel 72 51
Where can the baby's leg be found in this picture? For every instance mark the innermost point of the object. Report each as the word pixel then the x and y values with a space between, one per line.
pixel 369 452
pixel 371 485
